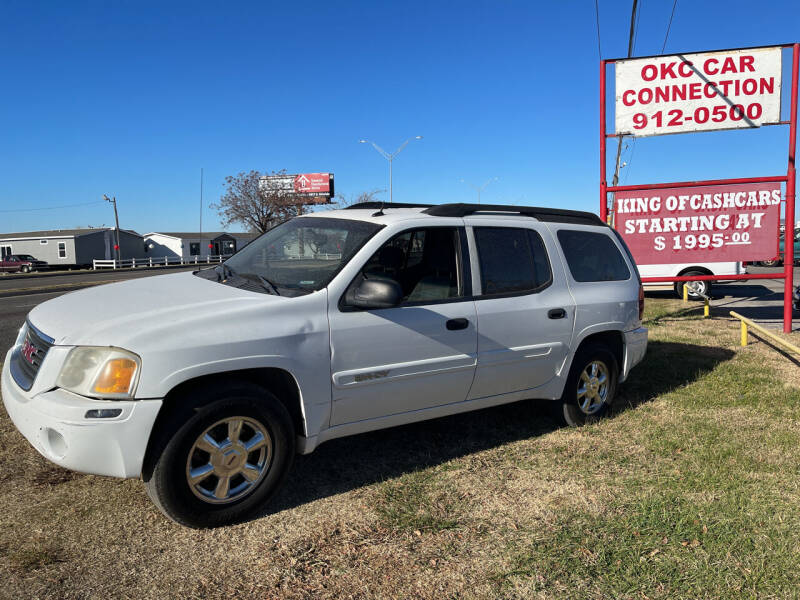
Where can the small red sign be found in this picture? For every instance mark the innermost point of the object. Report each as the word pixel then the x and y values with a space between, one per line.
pixel 722 223
pixel 312 183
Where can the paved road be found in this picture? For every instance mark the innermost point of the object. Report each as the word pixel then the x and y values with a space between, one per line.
pixel 758 299
pixel 31 284
pixel 19 296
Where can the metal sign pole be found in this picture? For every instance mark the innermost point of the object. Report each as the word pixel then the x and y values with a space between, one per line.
pixel 788 231
pixel 603 141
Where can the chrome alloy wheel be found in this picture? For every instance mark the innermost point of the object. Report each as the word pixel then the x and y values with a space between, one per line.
pixel 228 460
pixel 593 387
pixel 696 288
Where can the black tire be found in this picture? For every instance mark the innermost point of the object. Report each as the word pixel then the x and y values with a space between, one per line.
pixel 772 263
pixel 697 289
pixel 571 399
pixel 25 269
pixel 174 449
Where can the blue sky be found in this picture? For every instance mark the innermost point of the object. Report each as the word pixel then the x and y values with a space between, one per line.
pixel 133 98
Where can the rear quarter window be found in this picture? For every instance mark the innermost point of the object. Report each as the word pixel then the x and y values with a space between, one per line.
pixel 592 256
pixel 512 260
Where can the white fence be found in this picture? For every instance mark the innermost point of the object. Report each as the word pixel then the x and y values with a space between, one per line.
pixel 135 263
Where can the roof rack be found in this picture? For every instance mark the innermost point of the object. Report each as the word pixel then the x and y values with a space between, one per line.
pixel 369 205
pixel 551 215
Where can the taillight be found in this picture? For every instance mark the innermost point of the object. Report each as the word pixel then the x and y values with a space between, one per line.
pixel 641 301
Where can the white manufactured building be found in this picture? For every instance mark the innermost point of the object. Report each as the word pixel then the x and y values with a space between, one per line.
pixel 190 244
pixel 72 247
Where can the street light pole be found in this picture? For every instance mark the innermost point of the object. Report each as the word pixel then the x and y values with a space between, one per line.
pixel 481 188
pixel 113 201
pixel 389 156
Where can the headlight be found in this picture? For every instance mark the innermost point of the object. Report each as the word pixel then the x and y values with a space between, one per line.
pixel 100 372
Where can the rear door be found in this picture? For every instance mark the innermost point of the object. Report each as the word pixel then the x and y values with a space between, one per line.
pixel 524 308
pixel 605 288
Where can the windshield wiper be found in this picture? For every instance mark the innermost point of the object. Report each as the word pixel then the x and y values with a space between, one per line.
pixel 268 285
pixel 227 272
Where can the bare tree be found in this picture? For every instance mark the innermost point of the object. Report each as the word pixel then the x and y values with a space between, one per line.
pixel 343 201
pixel 248 203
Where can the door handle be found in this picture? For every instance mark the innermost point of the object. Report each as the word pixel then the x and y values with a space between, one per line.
pixel 454 324
pixel 556 313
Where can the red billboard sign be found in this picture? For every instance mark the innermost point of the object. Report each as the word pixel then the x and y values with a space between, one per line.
pixel 305 188
pixel 737 222
pixel 312 183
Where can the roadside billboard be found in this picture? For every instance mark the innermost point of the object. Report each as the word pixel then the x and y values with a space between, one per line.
pixel 303 188
pixel 705 91
pixel 720 223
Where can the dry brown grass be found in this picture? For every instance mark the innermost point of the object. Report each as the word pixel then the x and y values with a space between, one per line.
pixel 664 499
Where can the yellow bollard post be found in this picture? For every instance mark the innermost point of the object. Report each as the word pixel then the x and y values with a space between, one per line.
pixel 685 293
pixel 706 309
pixel 744 334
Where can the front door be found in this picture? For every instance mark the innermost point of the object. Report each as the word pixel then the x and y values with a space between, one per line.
pixel 419 354
pixel 525 315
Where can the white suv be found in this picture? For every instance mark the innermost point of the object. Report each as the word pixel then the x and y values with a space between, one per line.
pixel 206 384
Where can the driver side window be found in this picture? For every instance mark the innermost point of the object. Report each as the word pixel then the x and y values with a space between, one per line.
pixel 426 263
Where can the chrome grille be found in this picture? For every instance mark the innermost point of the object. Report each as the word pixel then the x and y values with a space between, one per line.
pixel 27 358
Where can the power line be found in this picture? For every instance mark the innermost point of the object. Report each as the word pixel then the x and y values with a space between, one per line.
pixel 663 47
pixel 633 28
pixel 631 36
pixel 597 21
pixel 636 35
pixel 666 37
pixel 50 207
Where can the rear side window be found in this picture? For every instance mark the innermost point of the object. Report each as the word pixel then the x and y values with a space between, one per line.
pixel 592 256
pixel 511 260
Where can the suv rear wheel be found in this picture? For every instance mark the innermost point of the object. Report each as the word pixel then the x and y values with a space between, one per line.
pixel 220 455
pixel 591 385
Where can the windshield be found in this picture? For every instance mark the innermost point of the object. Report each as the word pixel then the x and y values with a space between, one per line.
pixel 299 256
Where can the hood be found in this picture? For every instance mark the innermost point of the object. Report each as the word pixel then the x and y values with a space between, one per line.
pixel 116 313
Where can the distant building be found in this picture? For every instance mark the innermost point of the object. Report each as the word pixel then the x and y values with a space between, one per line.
pixel 190 244
pixel 72 247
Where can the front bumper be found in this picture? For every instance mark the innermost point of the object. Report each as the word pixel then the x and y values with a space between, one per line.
pixel 55 423
pixel 635 348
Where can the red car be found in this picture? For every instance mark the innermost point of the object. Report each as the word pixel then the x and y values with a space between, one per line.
pixel 25 263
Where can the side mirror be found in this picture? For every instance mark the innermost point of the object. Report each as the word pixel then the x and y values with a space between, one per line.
pixel 376 293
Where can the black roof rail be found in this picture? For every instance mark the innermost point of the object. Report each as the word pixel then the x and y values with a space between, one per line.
pixel 550 215
pixel 369 205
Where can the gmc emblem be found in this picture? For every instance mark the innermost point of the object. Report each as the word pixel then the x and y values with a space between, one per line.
pixel 28 350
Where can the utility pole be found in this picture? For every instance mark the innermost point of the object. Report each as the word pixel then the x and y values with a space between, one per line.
pixel 615 181
pixel 113 201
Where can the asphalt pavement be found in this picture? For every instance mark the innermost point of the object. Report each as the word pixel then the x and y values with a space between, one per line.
pixel 18 296
pixel 30 284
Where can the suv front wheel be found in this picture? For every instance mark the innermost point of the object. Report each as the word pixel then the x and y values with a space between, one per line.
pixel 220 455
pixel 591 385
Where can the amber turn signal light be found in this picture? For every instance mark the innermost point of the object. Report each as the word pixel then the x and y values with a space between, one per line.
pixel 116 377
